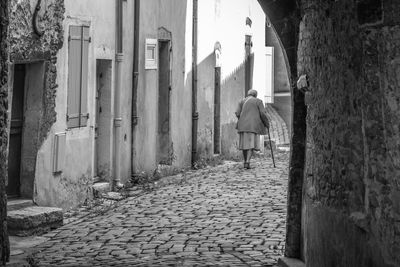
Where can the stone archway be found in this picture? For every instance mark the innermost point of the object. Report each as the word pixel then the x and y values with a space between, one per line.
pixel 344 190
pixel 285 18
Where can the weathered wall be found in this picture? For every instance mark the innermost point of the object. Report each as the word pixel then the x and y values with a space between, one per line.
pixel 351 213
pixel 232 89
pixel 284 16
pixel 72 185
pixel 4 242
pixel 126 91
pixel 174 16
pixel 27 47
pixel 205 106
pixel 282 98
pixel 281 75
pixel 217 18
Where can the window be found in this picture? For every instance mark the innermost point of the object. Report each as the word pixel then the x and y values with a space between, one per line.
pixel 78 46
pixel 151 54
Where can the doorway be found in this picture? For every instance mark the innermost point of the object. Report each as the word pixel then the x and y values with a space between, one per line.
pixel 164 153
pixel 26 113
pixel 217 110
pixel 103 126
pixel 16 127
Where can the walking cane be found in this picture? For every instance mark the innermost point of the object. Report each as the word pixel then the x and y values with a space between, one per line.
pixel 270 146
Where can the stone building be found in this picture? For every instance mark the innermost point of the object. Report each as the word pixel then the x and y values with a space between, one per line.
pixel 344 171
pixel 62 97
pixel 102 90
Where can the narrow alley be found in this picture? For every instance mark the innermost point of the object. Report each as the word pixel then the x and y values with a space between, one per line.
pixel 218 216
pixel 105 103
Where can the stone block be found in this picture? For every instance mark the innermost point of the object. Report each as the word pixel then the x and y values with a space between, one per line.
pixel 16 204
pixel 100 188
pixel 290 262
pixel 34 220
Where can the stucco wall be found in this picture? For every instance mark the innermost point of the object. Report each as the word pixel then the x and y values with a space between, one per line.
pixel 351 202
pixel 217 19
pixel 282 98
pixel 72 185
pixel 26 47
pixel 126 90
pixel 174 16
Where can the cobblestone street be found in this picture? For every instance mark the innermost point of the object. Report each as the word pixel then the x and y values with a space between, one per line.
pixel 220 216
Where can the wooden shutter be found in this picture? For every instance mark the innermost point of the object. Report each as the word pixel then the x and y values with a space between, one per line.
pixel 74 76
pixel 84 115
pixel 77 114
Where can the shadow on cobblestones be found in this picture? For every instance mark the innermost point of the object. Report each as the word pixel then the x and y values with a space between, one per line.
pixel 218 216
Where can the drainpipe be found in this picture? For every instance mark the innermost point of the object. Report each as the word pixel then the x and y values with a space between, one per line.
pixel 195 114
pixel 134 121
pixel 119 57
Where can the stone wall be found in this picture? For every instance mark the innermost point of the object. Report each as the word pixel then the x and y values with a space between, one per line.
pixel 26 46
pixel 284 16
pixel 351 210
pixel 4 243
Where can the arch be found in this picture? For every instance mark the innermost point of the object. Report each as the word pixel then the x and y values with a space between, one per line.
pixel 164 34
pixel 284 17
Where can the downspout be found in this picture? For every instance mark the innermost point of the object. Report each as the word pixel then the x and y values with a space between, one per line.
pixel 119 57
pixel 135 83
pixel 195 114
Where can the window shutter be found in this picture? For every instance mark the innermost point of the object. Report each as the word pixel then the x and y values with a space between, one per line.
pixel 84 115
pixel 74 73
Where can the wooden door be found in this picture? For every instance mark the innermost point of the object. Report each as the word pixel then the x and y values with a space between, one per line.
pixel 15 143
pixel 164 90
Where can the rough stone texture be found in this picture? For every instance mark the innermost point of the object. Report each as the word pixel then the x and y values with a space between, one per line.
pixel 222 216
pixel 284 16
pixel 34 220
pixel 26 46
pixel 4 243
pixel 352 192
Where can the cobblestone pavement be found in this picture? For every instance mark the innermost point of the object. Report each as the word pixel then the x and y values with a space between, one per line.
pixel 220 216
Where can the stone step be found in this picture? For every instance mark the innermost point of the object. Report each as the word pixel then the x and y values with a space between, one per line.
pixel 290 262
pixel 33 220
pixel 100 189
pixel 15 204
